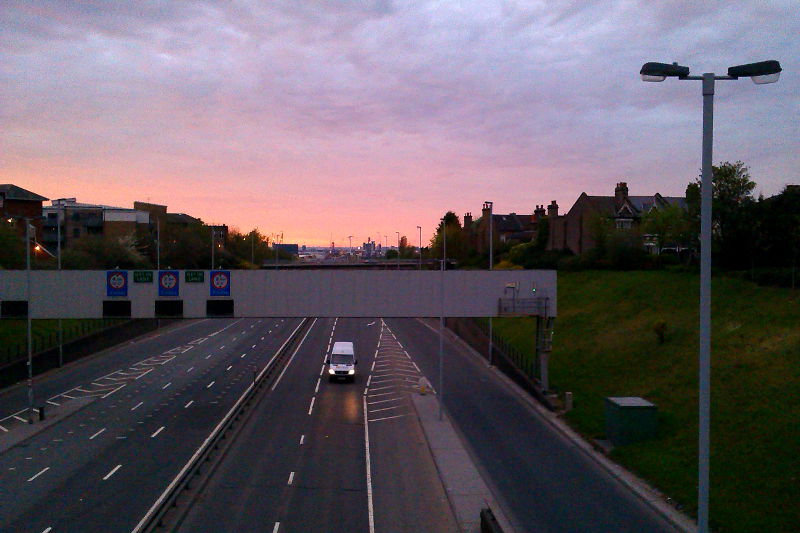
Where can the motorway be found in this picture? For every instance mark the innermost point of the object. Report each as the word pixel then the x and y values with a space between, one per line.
pixel 313 456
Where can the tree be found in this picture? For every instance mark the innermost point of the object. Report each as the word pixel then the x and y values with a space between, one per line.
pixel 458 247
pixel 12 247
pixel 669 225
pixel 96 252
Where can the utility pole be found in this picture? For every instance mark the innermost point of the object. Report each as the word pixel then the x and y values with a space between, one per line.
pixel 491 266
pixel 440 391
pixel 60 323
pixel 398 250
pixel 420 246
pixel 30 300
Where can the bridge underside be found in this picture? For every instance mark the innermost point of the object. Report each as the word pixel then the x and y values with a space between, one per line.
pixel 278 293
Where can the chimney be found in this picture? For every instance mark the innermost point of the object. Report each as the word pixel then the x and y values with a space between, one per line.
pixel 620 194
pixel 552 209
pixel 538 213
pixel 467 220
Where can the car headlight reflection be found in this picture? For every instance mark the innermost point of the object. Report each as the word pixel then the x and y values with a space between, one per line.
pixel 351 371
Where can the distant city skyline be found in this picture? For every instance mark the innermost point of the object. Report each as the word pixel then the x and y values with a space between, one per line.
pixel 324 120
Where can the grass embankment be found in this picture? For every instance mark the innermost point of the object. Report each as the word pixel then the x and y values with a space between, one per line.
pixel 44 334
pixel 604 345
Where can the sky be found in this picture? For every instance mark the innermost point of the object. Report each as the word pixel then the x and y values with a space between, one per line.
pixel 324 119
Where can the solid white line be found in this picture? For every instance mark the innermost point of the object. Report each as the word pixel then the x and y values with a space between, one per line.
pixel 20 418
pixel 39 474
pixel 188 404
pixel 302 439
pixel 159 430
pixel 209 385
pixel 275 529
pixel 53 403
pixel 386 408
pixel 316 389
pixel 383 388
pixel 386 418
pixel 291 478
pixel 415 366
pixel 190 369
pixel 4 429
pixel 167 385
pixel 135 407
pixel 96 434
pixel 310 407
pixel 105 478
pixel 383 401
pixel 295 353
pixel 380 394
pixel 369 472
pixel 143 374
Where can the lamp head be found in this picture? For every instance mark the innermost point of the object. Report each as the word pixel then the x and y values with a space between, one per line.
pixel 661 71
pixel 761 73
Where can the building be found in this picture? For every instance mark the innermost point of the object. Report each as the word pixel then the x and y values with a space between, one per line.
pixel 368 249
pixel 80 220
pixel 575 232
pixel 505 228
pixel 17 203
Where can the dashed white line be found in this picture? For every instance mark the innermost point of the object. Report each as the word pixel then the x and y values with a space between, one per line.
pixel 253 346
pixel 321 370
pixel 188 404
pixel 48 530
pixel 316 389
pixel 159 430
pixel 291 478
pixel 210 384
pixel 189 369
pixel 369 379
pixel 53 403
pixel 229 367
pixel 243 355
pixel 311 407
pixel 138 405
pixel 96 434
pixel 262 338
pixel 167 385
pixel 277 526
pixel 302 439
pixel 113 471
pixel 208 356
pixel 39 474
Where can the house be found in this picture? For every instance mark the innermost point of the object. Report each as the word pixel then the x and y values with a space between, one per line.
pixel 574 231
pixel 17 203
pixel 504 227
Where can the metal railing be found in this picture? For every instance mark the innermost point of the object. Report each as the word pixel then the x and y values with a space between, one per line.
pixel 523 306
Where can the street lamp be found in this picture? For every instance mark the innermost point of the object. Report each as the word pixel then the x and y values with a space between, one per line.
pixel 440 390
pixel 420 246
pixel 761 73
pixel 491 265
pixel 398 250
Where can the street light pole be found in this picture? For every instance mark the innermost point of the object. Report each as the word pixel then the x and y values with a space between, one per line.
pixel 420 246
pixel 60 323
pixel 30 346
pixel 398 250
pixel 491 265
pixel 213 234
pixel 760 73
pixel 441 319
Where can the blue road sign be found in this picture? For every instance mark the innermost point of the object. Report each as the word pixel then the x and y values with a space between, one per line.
pixel 168 283
pixel 116 283
pixel 220 282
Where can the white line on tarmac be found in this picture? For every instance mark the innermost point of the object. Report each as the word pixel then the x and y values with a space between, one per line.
pixel 291 478
pixel 143 374
pixel 167 385
pixel 20 418
pixel 3 429
pixel 415 366
pixel 380 394
pixel 229 367
pixel 53 403
pixel 243 355
pixel 208 356
pixel 135 407
pixel 369 472
pixel 383 388
pixel 159 430
pixel 316 389
pixel 189 369
pixel 295 353
pixel 321 370
pixel 302 439
pixel 386 408
pixel 311 407
pixel 373 365
pixel 369 379
pixel 262 338
pixel 48 530
pixel 253 346
pixel 188 404
pixel 210 384
pixel 96 434
pixel 383 401
pixel 275 529
pixel 114 471
pixel 39 474
pixel 386 418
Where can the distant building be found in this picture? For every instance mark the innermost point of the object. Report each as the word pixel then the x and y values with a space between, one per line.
pixel 504 227
pixel 292 249
pixel 574 231
pixel 368 249
pixel 16 202
pixel 80 220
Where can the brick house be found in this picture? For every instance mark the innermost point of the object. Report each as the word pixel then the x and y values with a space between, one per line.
pixel 505 227
pixel 573 231
pixel 16 203
pixel 79 220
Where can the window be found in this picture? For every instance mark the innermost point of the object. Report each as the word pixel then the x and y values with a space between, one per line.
pixel 624 223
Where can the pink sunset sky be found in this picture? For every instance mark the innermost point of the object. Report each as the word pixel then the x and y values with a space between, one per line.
pixel 323 119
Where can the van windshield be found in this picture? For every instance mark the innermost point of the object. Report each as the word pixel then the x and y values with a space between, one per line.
pixel 341 359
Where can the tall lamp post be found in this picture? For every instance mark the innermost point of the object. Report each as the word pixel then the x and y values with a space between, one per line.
pixel 398 250
pixel 760 73
pixel 491 265
pixel 440 390
pixel 420 246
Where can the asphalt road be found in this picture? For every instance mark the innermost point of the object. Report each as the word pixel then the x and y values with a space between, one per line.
pixel 300 464
pixel 152 403
pixel 544 482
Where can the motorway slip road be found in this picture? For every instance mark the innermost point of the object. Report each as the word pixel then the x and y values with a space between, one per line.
pixel 334 457
pixel 150 404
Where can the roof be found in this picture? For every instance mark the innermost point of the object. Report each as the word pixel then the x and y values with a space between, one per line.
pixel 12 192
pixel 637 204
pixel 510 223
pixel 182 218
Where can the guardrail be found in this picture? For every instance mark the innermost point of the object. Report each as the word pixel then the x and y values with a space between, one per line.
pixel 155 515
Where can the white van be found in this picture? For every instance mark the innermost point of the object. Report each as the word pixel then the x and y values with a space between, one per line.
pixel 342 362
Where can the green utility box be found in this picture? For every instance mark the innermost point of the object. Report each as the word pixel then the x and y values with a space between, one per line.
pixel 630 419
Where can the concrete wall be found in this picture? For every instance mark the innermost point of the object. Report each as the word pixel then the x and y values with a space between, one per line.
pixel 266 293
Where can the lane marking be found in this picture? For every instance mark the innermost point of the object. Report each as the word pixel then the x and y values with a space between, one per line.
pixel 316 389
pixel 302 439
pixel 229 367
pixel 208 356
pixel 275 529
pixel 369 472
pixel 167 385
pixel 53 403
pixel 190 369
pixel 262 338
pixel 48 530
pixel 369 379
pixel 386 408
pixel 386 418
pixel 159 430
pixel 135 407
pixel 383 401
pixel 291 478
pixel 415 366
pixel 188 404
pixel 373 365
pixel 39 474
pixel 3 429
pixel 311 407
pixel 96 434
pixel 253 346
pixel 321 370
pixel 292 357
pixel 114 471
pixel 209 385
pixel 243 355
pixel 381 394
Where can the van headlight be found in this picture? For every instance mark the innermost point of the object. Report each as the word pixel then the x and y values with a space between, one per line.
pixel 331 371
pixel 351 371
